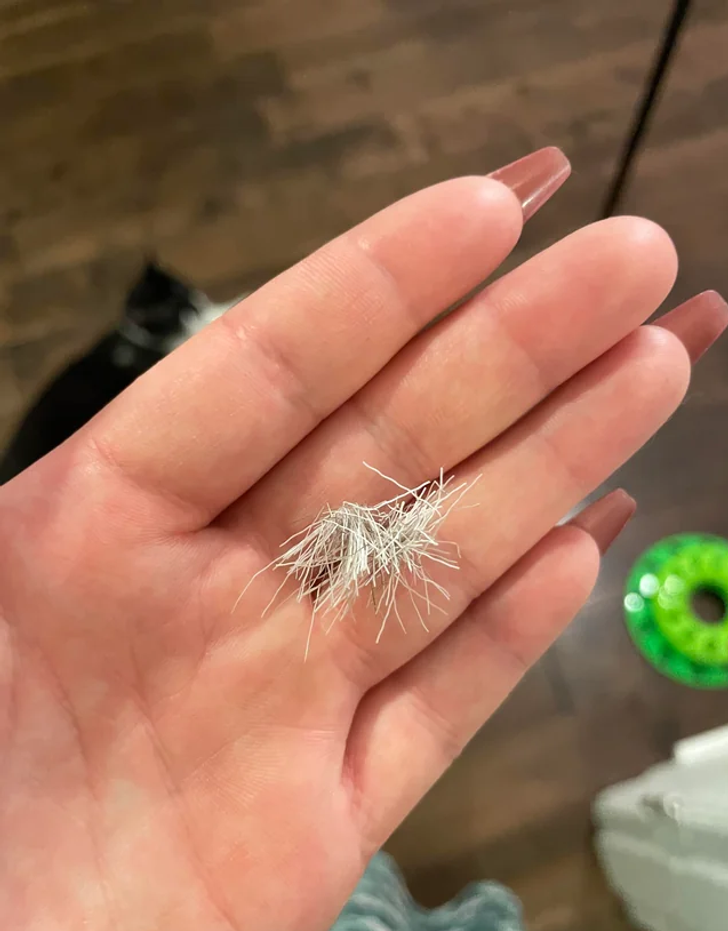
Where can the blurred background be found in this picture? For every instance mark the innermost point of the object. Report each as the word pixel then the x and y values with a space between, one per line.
pixel 231 137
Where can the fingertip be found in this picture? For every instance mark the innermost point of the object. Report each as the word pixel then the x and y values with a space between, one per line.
pixel 491 197
pixel 664 350
pixel 645 251
pixel 641 233
pixel 584 549
pixel 660 364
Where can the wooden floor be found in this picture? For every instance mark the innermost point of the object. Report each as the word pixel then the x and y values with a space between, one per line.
pixel 230 137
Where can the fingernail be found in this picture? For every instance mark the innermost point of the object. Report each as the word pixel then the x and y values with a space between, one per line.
pixel 535 177
pixel 606 518
pixel 698 322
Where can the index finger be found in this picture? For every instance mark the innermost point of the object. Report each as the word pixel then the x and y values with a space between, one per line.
pixel 205 424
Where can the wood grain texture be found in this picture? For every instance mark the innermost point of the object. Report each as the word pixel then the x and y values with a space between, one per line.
pixel 231 137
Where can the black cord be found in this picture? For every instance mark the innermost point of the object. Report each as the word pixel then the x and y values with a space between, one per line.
pixel 644 111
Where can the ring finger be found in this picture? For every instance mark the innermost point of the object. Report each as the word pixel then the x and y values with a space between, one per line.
pixel 528 479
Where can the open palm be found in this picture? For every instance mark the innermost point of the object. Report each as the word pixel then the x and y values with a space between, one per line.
pixel 169 763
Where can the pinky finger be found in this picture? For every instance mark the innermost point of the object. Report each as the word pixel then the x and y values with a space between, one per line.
pixel 410 728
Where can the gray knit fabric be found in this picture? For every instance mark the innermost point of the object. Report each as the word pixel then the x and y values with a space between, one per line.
pixel 382 902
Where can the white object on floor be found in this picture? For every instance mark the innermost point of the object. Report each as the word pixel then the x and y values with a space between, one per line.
pixel 662 839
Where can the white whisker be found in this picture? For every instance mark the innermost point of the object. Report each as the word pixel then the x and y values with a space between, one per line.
pixel 381 548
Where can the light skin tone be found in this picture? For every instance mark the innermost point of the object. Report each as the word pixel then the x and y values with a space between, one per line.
pixel 169 763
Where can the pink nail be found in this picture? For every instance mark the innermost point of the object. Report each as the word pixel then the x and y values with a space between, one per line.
pixel 606 518
pixel 698 322
pixel 535 177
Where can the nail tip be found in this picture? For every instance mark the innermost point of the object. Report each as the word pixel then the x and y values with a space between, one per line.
pixel 560 155
pixel 605 519
pixel 535 177
pixel 698 322
pixel 626 498
pixel 715 298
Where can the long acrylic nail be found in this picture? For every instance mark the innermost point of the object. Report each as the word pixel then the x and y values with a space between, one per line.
pixel 606 518
pixel 535 177
pixel 698 322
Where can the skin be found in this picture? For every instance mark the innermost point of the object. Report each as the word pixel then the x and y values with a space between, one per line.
pixel 171 764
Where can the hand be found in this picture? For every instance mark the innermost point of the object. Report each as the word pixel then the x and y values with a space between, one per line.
pixel 170 764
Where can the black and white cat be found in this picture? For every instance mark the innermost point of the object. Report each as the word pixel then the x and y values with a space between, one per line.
pixel 160 313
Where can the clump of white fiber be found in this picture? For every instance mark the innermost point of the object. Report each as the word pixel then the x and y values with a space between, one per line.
pixel 383 549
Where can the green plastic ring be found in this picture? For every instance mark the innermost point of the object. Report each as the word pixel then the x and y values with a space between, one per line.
pixel 659 613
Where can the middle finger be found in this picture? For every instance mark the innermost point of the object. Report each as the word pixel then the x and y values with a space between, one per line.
pixel 457 386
